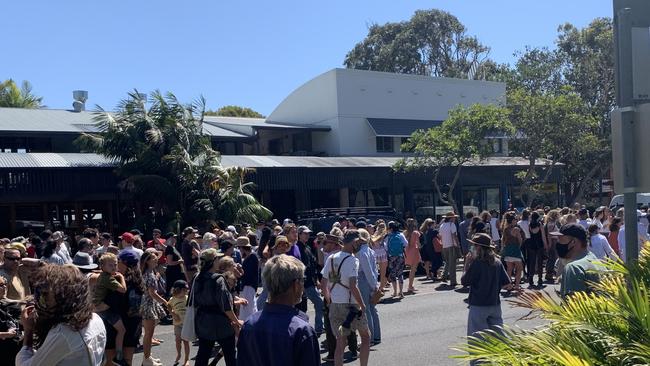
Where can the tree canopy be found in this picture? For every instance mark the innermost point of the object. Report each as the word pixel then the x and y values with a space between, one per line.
pixel 459 141
pixel 12 96
pixel 234 111
pixel 168 164
pixel 433 42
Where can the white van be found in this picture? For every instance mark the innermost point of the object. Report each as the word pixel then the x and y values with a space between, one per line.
pixel 641 199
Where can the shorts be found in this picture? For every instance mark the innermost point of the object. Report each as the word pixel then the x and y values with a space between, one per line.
pixel 178 329
pixel 513 259
pixel 109 317
pixel 339 312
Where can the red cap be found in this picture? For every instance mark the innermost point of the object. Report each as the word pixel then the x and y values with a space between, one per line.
pixel 128 237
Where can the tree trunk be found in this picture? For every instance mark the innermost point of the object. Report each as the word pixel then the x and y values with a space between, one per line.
pixel 583 184
pixel 450 197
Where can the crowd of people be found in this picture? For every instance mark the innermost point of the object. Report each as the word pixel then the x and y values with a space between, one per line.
pixel 95 299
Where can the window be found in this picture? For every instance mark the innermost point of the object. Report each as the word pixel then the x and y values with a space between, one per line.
pixel 384 144
pixel 497 146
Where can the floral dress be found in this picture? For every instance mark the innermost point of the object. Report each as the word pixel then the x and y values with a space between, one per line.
pixel 150 308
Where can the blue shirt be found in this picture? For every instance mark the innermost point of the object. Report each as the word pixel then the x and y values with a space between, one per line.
pixel 368 265
pixel 279 335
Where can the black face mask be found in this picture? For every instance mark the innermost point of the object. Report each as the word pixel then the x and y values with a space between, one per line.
pixel 562 250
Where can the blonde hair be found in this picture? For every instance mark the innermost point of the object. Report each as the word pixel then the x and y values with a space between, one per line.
pixel 380 232
pixel 280 272
pixel 426 224
pixel 225 263
pixel 107 257
pixel 553 215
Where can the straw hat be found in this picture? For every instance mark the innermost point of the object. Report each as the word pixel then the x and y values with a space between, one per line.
pixel 450 215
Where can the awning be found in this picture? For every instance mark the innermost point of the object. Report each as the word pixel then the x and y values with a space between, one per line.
pixel 387 127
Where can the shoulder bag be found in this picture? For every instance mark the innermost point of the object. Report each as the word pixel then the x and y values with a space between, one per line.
pixel 188 333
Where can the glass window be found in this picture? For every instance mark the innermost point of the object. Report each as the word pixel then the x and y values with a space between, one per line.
pixel 492 199
pixel 384 144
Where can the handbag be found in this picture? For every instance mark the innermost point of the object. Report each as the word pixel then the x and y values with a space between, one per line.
pixel 188 332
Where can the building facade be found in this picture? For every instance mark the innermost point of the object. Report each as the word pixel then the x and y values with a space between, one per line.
pixel 330 143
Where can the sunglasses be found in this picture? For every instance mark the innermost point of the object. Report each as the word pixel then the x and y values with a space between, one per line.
pixel 3 285
pixel 16 259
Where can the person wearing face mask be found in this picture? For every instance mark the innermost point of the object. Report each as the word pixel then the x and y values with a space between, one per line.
pixel 280 334
pixel 581 267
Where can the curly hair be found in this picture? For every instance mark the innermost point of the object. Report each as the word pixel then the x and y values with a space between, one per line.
pixel 72 306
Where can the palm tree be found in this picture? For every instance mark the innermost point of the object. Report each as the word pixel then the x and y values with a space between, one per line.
pixel 236 203
pixel 13 97
pixel 610 326
pixel 163 157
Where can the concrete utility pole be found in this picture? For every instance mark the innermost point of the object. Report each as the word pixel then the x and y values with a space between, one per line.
pixel 632 48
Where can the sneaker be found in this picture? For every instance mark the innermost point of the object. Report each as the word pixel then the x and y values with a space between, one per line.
pixel 353 355
pixel 328 358
pixel 120 362
pixel 375 342
pixel 150 362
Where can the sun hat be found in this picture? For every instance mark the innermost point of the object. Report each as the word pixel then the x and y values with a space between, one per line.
pixel 84 261
pixel 210 254
pixel 303 229
pixel 243 241
pixel 17 246
pixel 483 240
pixel 450 215
pixel 364 235
pixel 332 238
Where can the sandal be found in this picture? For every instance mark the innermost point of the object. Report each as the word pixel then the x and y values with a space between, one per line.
pixel 401 295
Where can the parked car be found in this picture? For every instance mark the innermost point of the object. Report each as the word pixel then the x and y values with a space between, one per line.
pixel 642 199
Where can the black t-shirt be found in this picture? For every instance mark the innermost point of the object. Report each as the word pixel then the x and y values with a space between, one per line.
pixel 485 281
pixel 173 268
pixel 191 263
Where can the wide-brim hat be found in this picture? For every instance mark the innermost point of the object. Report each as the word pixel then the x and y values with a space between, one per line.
pixel 84 261
pixel 243 242
pixel 333 238
pixel 449 214
pixel 483 240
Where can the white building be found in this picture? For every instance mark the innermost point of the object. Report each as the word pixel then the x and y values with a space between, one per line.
pixel 369 113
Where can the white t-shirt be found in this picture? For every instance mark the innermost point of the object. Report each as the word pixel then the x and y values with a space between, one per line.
pixel 584 223
pixel 494 230
pixel 642 235
pixel 64 253
pixel 447 232
pixel 524 225
pixel 65 347
pixel 348 269
pixel 600 247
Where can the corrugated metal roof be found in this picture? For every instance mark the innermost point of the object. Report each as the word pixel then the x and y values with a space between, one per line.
pixel 43 120
pixel 389 127
pixel 65 121
pixel 257 123
pixel 54 160
pixel 216 131
pixel 254 161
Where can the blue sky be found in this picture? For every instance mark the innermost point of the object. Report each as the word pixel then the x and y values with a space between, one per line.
pixel 249 53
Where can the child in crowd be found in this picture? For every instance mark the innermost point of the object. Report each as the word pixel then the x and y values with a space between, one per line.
pixel 110 280
pixel 177 305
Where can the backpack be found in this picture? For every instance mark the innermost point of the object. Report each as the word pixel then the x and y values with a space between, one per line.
pixel 134 298
pixel 395 246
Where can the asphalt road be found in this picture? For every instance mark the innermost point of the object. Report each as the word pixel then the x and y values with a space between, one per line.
pixel 418 330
